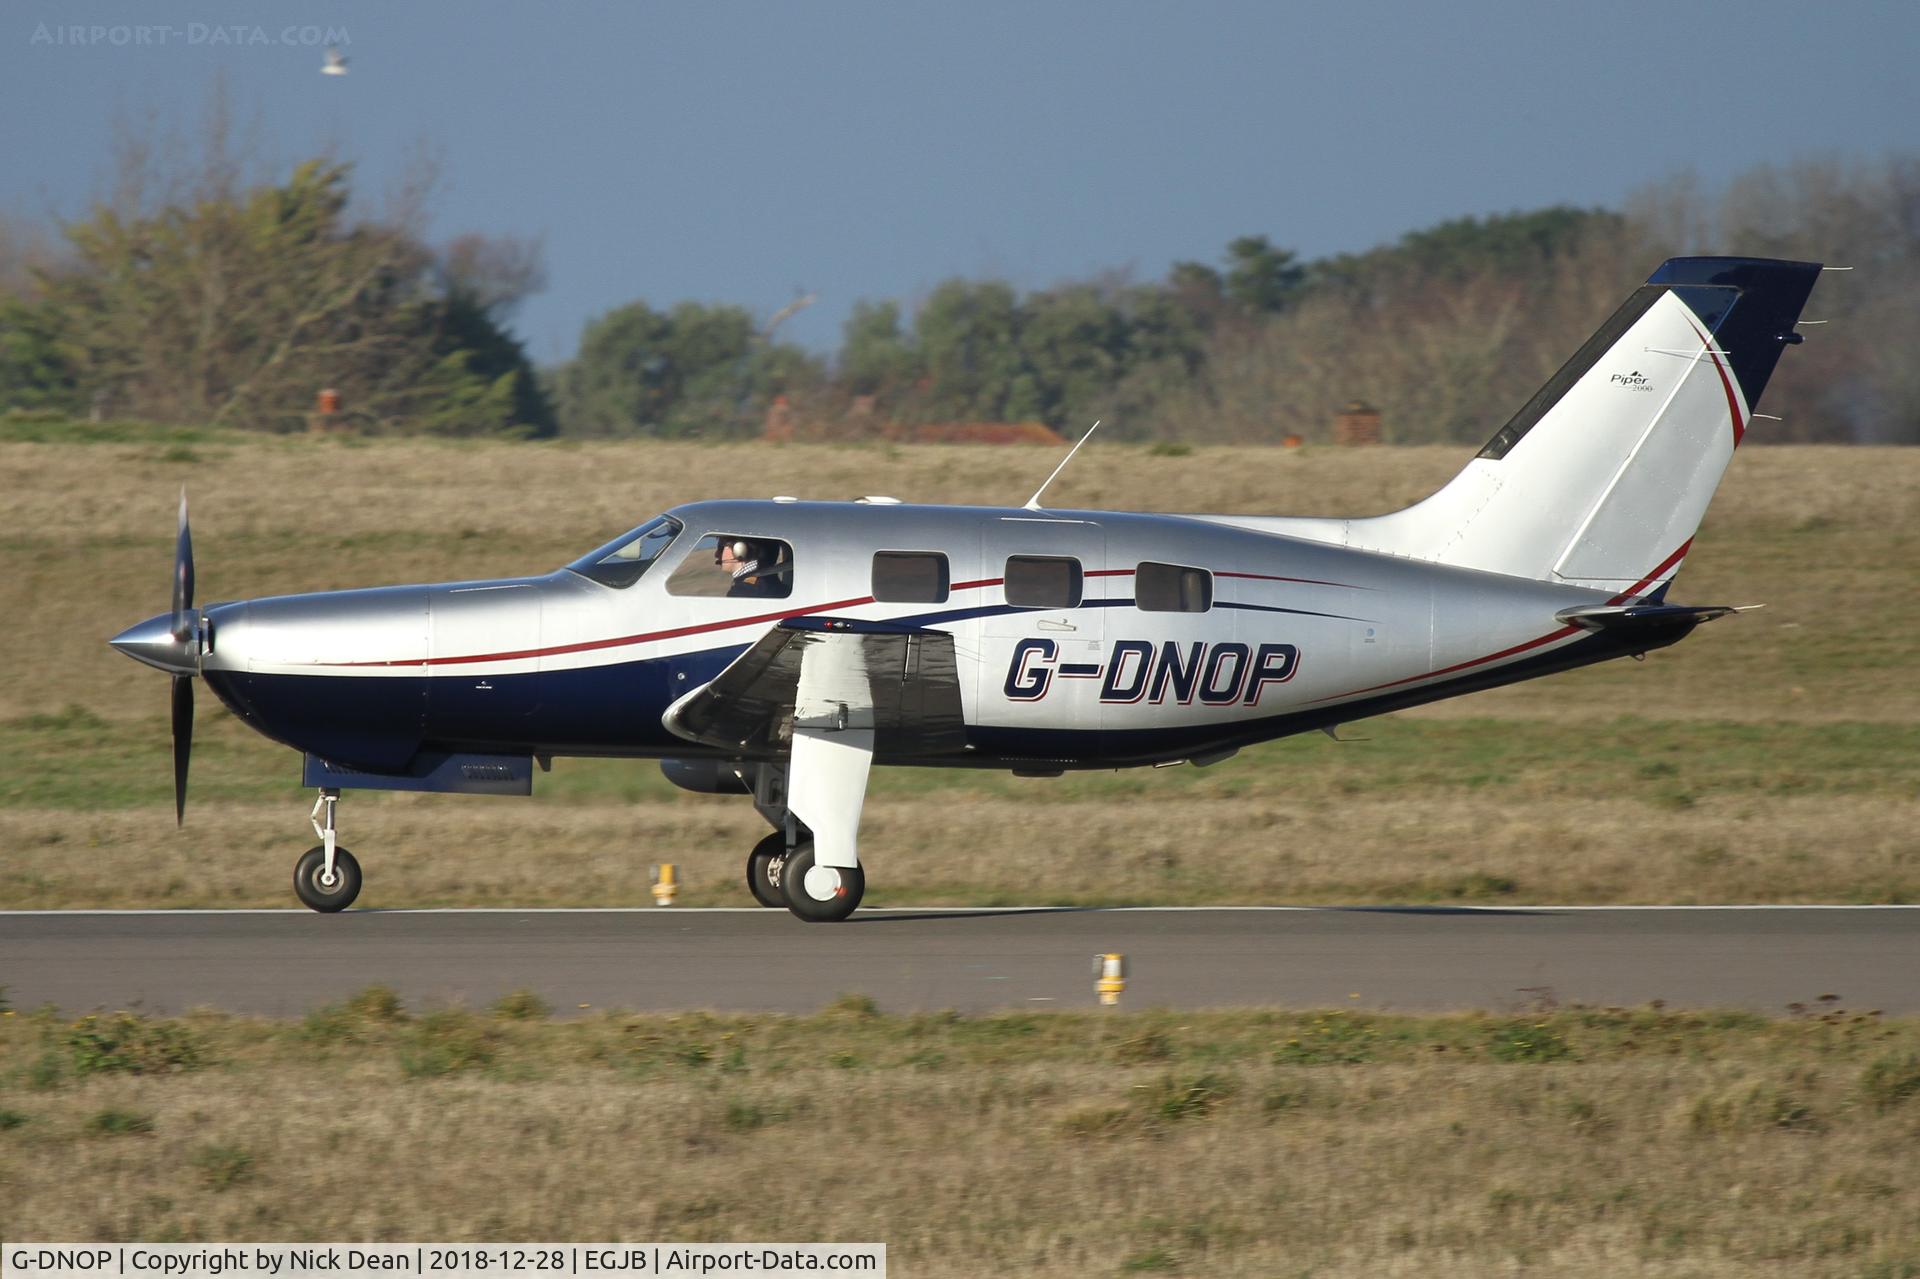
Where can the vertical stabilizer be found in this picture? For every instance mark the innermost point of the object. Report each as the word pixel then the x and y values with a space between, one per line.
pixel 1602 477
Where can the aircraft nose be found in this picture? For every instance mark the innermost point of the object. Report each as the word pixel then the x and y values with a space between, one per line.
pixel 152 642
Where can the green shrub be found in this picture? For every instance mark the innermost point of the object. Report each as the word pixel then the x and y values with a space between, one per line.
pixel 1175 1100
pixel 223 1167
pixel 1891 1080
pixel 1759 1106
pixel 1335 1038
pixel 11 1119
pixel 331 1024
pixel 745 1116
pixel 1152 1046
pixel 1153 1260
pixel 1277 1101
pixel 363 1016
pixel 377 1003
pixel 48 1069
pixel 522 1005
pixel 446 1042
pixel 854 1007
pixel 1528 1041
pixel 119 1123
pixel 130 1044
pixel 1098 1121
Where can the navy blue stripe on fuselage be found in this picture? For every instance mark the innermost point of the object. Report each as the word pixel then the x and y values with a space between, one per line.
pixel 950 616
pixel 1297 612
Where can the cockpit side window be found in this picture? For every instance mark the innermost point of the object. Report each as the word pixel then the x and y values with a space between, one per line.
pixel 735 566
pixel 622 562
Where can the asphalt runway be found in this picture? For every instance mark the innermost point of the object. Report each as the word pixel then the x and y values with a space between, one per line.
pixel 287 962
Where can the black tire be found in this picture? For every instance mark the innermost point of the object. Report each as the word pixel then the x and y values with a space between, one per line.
pixel 316 896
pixel 851 885
pixel 763 870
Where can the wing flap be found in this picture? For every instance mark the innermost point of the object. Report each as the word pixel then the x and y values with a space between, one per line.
pixel 903 683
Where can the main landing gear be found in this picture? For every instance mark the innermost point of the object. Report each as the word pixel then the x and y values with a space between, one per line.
pixel 764 866
pixel 326 878
pixel 784 869
pixel 820 894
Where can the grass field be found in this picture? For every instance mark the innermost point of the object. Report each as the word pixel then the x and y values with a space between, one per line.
pixel 1574 1142
pixel 1774 757
pixel 1771 757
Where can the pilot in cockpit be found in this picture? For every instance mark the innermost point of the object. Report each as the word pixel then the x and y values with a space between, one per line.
pixel 750 566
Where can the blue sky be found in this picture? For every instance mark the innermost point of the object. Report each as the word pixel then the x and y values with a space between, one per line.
pixel 739 152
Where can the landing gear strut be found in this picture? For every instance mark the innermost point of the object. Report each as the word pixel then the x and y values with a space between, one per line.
pixel 326 878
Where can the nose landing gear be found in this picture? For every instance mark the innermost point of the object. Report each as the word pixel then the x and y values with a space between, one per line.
pixel 326 878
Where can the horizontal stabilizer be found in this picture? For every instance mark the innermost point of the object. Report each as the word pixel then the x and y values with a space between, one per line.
pixel 1624 621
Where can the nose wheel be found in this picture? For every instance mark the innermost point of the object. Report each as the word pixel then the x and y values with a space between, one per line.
pixel 326 878
pixel 314 888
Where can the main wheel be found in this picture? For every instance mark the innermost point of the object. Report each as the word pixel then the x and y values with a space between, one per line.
pixel 764 864
pixel 316 895
pixel 820 894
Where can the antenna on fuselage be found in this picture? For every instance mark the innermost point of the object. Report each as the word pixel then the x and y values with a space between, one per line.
pixel 1033 503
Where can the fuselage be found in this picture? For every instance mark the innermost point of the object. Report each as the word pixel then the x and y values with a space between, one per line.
pixel 1228 636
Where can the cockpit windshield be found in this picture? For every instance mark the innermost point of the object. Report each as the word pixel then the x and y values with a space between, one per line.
pixel 620 562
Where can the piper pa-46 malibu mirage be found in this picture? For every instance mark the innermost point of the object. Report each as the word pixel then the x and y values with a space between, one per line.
pixel 781 648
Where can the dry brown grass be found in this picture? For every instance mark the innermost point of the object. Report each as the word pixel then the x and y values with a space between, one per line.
pixel 1562 1143
pixel 445 851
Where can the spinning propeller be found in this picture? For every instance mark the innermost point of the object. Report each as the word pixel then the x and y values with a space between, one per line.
pixel 174 642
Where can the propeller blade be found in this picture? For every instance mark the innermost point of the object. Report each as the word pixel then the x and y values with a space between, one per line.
pixel 183 625
pixel 182 743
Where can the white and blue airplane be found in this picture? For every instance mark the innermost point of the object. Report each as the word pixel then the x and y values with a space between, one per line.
pixel 781 648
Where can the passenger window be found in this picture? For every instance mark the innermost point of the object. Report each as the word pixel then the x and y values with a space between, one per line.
pixel 1169 588
pixel 1043 582
pixel 732 566
pixel 909 577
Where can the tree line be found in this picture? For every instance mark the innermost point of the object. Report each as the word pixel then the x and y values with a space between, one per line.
pixel 232 303
pixel 191 295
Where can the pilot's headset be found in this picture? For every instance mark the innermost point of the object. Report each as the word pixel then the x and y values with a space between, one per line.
pixel 746 565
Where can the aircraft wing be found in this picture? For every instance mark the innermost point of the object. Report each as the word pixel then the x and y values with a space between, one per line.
pixel 903 683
